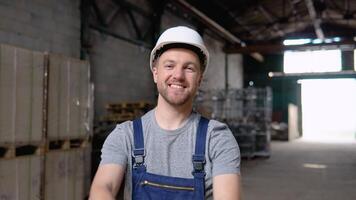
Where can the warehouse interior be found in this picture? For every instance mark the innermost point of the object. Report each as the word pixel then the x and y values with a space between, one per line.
pixel 282 76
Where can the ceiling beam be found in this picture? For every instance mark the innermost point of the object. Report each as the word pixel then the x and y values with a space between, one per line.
pixel 233 16
pixel 106 31
pixel 232 38
pixel 271 19
pixel 313 75
pixel 133 7
pixel 293 9
pixel 128 10
pixel 315 19
pixel 217 27
pixel 98 14
pixel 279 48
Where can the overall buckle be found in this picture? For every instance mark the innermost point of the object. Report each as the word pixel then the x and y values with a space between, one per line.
pixel 138 156
pixel 198 163
pixel 198 166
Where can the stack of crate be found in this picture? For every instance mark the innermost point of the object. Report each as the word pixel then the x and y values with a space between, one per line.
pixel 21 125
pixel 123 111
pixel 68 143
pixel 120 112
pixel 45 121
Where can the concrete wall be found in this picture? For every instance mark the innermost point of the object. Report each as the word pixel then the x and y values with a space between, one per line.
pixel 120 71
pixel 41 25
pixel 235 71
pixel 215 75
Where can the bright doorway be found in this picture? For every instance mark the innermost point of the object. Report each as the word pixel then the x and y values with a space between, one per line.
pixel 329 109
pixel 328 105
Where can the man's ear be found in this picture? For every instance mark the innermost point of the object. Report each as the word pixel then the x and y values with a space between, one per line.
pixel 154 73
pixel 200 79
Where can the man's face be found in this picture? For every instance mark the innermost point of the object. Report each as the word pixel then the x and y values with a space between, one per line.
pixel 177 74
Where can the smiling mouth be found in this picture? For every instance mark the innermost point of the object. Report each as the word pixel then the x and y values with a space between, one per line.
pixel 176 86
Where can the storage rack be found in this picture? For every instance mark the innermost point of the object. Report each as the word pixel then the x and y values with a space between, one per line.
pixel 247 112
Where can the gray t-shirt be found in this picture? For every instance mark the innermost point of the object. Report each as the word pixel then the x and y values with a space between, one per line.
pixel 169 152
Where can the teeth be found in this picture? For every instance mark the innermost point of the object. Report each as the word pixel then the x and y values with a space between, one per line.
pixel 176 86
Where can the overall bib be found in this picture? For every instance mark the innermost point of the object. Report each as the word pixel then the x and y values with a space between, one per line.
pixel 148 186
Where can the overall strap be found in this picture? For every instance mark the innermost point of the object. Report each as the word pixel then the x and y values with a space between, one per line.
pixel 199 155
pixel 139 150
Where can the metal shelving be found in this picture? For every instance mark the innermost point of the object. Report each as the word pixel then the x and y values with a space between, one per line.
pixel 248 113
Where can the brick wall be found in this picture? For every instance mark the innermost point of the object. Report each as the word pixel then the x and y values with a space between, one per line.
pixel 42 25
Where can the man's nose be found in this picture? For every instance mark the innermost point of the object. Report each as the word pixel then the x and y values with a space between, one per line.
pixel 178 73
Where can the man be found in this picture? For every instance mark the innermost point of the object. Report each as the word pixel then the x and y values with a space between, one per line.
pixel 171 152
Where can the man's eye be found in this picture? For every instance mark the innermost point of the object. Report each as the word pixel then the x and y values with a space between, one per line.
pixel 191 69
pixel 168 66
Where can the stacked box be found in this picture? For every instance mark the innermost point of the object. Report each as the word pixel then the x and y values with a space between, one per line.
pixel 44 100
pixel 21 95
pixel 68 98
pixel 67 174
pixel 21 178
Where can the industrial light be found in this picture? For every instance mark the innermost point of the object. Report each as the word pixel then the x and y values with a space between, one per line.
pixel 314 166
pixel 317 41
pixel 328 40
pixel 296 41
pixel 313 41
pixel 336 39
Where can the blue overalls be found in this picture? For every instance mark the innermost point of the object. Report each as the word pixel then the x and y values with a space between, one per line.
pixel 147 186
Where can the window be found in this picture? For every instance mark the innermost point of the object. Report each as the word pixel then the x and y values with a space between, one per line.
pixel 312 61
pixel 355 60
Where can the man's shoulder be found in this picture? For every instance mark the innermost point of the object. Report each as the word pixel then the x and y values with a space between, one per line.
pixel 120 130
pixel 123 125
pixel 217 125
pixel 148 115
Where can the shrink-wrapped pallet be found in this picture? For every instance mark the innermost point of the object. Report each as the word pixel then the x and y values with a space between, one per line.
pixel 21 95
pixel 67 174
pixel 68 98
pixel 21 178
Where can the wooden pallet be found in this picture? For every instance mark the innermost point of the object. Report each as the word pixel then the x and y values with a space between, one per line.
pixel 117 110
pixel 16 150
pixel 128 105
pixel 120 117
pixel 66 144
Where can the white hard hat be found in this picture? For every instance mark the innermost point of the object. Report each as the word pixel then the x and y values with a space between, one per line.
pixel 180 37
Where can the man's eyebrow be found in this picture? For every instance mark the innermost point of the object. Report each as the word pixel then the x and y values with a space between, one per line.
pixel 168 61
pixel 190 62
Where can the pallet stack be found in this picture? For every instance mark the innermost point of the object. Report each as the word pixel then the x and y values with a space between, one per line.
pixel 68 138
pixel 21 125
pixel 44 125
pixel 119 112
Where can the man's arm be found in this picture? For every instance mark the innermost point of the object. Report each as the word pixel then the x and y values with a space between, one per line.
pixel 107 182
pixel 227 187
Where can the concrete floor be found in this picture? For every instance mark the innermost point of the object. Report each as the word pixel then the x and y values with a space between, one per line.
pixel 330 172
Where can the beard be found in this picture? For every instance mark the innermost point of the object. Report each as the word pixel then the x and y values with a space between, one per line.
pixel 175 98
